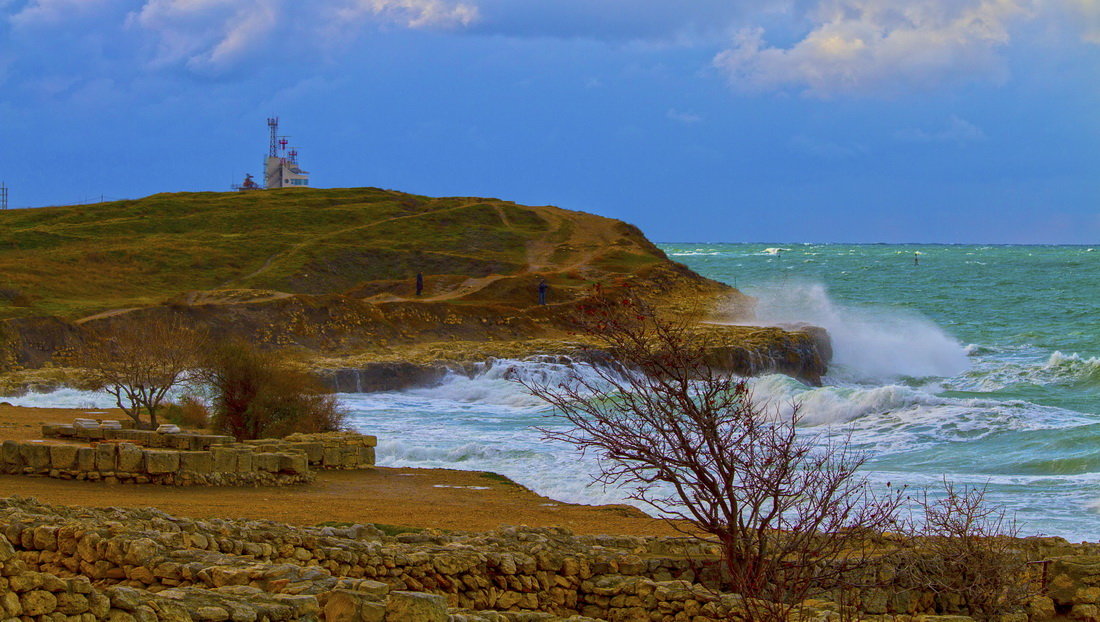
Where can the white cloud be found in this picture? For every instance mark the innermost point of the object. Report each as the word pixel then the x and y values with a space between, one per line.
pixel 410 13
pixel 215 35
pixel 1087 15
pixel 958 131
pixel 55 11
pixel 861 47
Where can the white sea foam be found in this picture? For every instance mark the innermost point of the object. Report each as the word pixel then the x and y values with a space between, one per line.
pixel 869 343
pixel 63 398
pixel 1058 368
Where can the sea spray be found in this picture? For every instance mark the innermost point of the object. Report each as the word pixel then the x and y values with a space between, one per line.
pixel 869 343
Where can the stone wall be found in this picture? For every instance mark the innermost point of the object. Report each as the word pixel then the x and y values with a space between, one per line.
pixel 27 595
pixel 184 459
pixel 353 572
pixel 324 451
pixel 127 463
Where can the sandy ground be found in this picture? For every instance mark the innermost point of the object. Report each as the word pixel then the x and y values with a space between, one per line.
pixel 436 498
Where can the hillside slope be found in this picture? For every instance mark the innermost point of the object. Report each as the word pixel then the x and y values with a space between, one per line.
pixel 329 271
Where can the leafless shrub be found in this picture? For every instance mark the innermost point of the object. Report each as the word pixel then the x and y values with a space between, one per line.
pixel 965 552
pixel 792 516
pixel 256 394
pixel 139 362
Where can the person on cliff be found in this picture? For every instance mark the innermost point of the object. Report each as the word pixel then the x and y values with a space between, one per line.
pixel 544 287
pixel 419 283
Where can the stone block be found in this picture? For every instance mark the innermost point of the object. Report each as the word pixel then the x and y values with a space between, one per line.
pixel 49 430
pixel 89 434
pixel 148 438
pixel 415 607
pixel 11 453
pixel 225 459
pixel 294 463
pixel 63 457
pixel 130 458
pixel 349 456
pixel 370 441
pixel 201 462
pixel 106 457
pixel 331 457
pixel 246 460
pixel 85 459
pixel 35 455
pixel 314 450
pixel 178 441
pixel 160 461
pixel 366 456
pixel 267 462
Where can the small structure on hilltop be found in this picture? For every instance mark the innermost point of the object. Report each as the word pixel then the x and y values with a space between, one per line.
pixel 282 171
pixel 248 184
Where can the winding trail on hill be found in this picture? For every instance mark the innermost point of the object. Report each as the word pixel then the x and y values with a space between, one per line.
pixel 295 248
pixel 538 257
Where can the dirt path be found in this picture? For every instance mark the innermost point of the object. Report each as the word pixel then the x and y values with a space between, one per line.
pixel 298 247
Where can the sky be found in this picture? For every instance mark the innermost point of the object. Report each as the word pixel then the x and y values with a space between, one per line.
pixel 953 121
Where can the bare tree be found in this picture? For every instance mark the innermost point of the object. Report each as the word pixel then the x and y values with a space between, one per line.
pixel 965 551
pixel 139 362
pixel 789 509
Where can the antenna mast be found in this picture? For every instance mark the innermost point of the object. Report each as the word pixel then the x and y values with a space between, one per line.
pixel 273 145
pixel 3 196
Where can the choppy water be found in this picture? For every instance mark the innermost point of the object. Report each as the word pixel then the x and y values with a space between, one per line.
pixel 979 364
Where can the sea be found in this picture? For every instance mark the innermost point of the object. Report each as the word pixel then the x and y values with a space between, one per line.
pixel 975 365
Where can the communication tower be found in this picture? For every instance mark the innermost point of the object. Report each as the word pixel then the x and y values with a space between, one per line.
pixel 3 196
pixel 281 171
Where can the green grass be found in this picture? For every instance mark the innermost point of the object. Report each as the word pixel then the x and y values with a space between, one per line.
pixel 74 261
pixel 77 260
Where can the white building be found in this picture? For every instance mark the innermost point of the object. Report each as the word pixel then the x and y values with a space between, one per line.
pixel 283 173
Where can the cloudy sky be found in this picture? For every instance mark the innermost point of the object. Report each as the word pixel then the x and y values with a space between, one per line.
pixel 699 120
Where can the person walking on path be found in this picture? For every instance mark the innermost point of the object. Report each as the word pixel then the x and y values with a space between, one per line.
pixel 543 289
pixel 419 283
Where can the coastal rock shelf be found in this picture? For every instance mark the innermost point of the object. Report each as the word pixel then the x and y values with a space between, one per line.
pixel 153 566
pixel 185 459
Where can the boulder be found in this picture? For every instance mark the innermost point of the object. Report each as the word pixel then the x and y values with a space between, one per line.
pixel 415 607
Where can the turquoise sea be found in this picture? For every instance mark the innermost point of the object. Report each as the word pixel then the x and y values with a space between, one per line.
pixel 981 365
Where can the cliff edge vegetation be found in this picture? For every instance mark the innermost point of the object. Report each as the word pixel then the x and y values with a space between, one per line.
pixel 332 273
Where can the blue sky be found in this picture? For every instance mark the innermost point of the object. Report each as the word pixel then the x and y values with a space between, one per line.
pixel 704 120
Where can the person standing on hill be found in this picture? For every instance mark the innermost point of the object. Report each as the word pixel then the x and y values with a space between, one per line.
pixel 543 289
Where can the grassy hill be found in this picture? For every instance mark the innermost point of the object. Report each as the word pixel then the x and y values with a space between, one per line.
pixel 75 261
pixel 330 273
